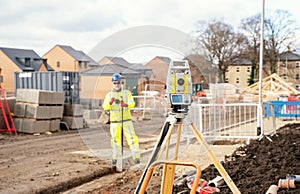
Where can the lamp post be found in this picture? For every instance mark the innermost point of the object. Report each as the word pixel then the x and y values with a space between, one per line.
pixel 261 54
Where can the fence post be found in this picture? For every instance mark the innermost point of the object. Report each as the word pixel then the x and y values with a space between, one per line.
pixel 201 119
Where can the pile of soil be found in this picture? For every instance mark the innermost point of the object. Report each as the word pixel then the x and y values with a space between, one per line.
pixel 257 166
pixel 253 168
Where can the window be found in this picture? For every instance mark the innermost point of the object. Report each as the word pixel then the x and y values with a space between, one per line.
pixel 58 64
pixel 297 64
pixel 237 80
pixel 85 65
pixel 284 76
pixel 226 79
pixel 248 69
pixel 297 87
pixel 237 69
pixel 227 69
pixel 80 64
pixel 297 76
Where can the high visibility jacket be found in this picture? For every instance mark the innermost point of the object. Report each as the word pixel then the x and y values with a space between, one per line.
pixel 116 111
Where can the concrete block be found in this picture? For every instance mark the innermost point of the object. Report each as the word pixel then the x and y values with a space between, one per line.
pixel 74 122
pixel 20 109
pixel 11 101
pixel 37 112
pixel 73 110
pixel 58 97
pixel 35 126
pixel 56 112
pixel 54 125
pixel 34 96
pixel 18 124
pixel 90 114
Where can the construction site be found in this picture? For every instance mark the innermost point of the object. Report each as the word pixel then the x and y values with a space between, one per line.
pixel 220 142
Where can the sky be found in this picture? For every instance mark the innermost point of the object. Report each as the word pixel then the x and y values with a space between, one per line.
pixel 85 24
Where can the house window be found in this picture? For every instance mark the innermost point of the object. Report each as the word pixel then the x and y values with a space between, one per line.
pixel 58 64
pixel 284 76
pixel 85 65
pixel 297 76
pixel 297 87
pixel 297 64
pixel 237 69
pixel 80 64
pixel 248 69
pixel 226 79
pixel 237 80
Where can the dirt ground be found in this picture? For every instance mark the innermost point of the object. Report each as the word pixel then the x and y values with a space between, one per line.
pixel 62 162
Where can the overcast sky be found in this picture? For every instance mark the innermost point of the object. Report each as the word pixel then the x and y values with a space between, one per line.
pixel 82 24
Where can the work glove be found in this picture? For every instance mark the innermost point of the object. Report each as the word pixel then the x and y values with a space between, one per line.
pixel 111 101
pixel 123 104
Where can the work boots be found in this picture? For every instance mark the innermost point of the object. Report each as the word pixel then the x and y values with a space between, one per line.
pixel 137 161
pixel 114 162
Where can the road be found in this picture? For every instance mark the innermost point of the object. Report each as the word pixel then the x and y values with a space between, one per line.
pixel 57 162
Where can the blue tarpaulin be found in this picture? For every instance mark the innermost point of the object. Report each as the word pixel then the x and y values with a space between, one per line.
pixel 282 108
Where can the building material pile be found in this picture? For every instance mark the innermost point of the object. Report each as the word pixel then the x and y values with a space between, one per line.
pixel 223 92
pixel 272 88
pixel 38 111
pixel 73 116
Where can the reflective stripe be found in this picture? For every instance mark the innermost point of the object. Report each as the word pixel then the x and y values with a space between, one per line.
pixel 118 110
pixel 120 121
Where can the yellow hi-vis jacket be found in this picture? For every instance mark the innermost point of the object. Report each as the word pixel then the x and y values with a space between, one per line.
pixel 115 108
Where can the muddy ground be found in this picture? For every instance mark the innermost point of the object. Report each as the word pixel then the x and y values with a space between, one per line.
pixel 253 168
pixel 60 163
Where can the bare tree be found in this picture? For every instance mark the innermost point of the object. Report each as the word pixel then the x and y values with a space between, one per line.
pixel 279 35
pixel 250 27
pixel 221 43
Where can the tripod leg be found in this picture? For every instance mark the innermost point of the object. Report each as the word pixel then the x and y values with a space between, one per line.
pixel 165 131
pixel 217 164
pixel 169 169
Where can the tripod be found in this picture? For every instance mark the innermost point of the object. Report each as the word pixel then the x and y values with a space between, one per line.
pixel 169 166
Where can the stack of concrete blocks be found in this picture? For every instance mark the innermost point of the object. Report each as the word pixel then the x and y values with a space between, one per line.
pixel 38 111
pixel 73 116
pixel 92 117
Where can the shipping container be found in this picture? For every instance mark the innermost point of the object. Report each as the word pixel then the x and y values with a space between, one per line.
pixel 67 82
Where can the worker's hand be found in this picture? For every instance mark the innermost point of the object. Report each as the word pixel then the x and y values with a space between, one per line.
pixel 123 104
pixel 111 101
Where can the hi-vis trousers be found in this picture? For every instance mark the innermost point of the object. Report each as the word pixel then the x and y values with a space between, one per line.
pixel 129 134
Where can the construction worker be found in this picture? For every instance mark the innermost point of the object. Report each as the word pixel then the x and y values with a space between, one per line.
pixel 119 102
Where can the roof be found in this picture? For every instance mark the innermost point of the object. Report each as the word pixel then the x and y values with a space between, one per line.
pixel 79 55
pixel 165 59
pixel 272 84
pixel 241 62
pixel 22 56
pixel 110 69
pixel 119 60
pixel 290 56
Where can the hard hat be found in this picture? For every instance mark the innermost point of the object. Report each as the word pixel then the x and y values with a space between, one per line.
pixel 116 77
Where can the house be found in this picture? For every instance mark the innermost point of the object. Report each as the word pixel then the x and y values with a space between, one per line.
pixel 66 58
pixel 288 67
pixel 160 67
pixel 238 73
pixel 136 85
pixel 146 72
pixel 96 82
pixel 19 60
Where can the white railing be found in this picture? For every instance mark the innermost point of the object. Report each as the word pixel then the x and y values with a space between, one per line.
pixel 234 120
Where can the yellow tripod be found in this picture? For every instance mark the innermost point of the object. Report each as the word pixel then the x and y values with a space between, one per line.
pixel 169 166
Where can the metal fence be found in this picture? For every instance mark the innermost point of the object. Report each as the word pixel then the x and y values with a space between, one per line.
pixel 235 120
